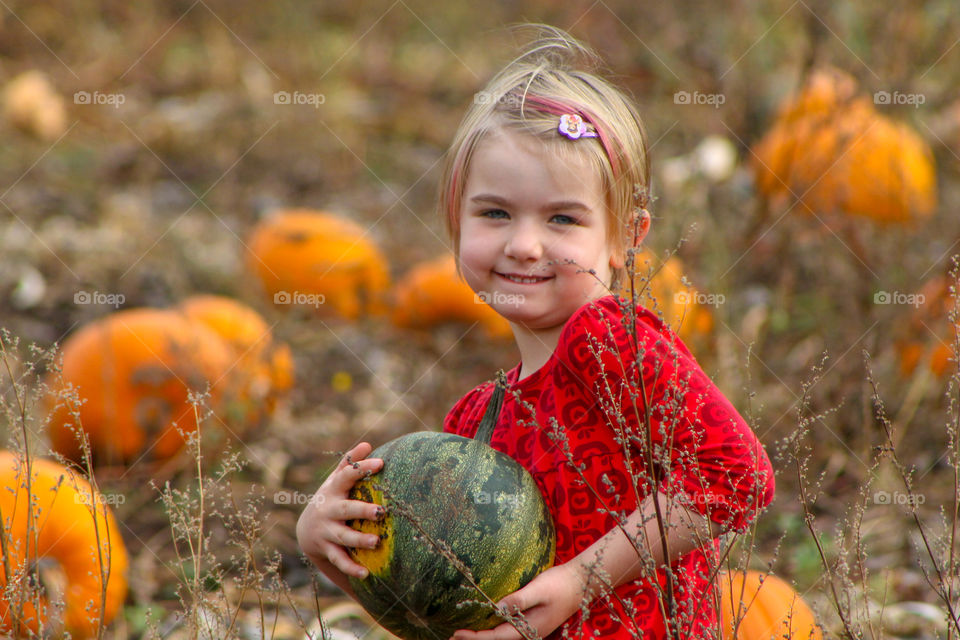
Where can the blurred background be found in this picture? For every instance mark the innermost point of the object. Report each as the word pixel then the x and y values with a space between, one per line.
pixel 135 169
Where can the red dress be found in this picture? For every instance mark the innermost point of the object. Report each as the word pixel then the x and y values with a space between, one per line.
pixel 561 423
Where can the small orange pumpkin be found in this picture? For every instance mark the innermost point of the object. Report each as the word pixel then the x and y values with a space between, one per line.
pixel 31 104
pixel 834 153
pixel 930 336
pixel 134 371
pixel 433 293
pixel 305 257
pixel 63 519
pixel 758 606
pixel 262 369
pixel 664 292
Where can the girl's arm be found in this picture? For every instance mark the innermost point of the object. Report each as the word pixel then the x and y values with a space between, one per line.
pixel 619 560
pixel 557 593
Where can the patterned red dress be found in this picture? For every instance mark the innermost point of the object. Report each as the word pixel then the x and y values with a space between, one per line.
pixel 575 424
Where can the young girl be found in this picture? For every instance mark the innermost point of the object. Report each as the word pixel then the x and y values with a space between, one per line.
pixel 641 459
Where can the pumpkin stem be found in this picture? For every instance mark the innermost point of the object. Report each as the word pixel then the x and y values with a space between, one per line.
pixel 489 420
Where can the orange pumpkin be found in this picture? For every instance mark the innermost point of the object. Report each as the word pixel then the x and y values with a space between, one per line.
pixel 305 257
pixel 664 292
pixel 758 606
pixel 433 293
pixel 31 104
pixel 834 153
pixel 262 369
pixel 134 371
pixel 824 91
pixel 61 518
pixel 930 335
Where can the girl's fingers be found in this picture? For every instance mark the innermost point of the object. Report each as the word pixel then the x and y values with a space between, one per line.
pixel 356 454
pixel 342 561
pixel 347 476
pixel 344 536
pixel 357 510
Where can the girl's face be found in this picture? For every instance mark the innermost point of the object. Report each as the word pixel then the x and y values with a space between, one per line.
pixel 531 225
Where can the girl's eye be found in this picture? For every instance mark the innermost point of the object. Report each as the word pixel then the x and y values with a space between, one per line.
pixel 498 214
pixel 563 219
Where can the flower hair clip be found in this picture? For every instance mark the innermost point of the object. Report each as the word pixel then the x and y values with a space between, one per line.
pixel 573 126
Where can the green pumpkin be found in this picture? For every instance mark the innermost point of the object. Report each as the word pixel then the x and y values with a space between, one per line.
pixel 446 497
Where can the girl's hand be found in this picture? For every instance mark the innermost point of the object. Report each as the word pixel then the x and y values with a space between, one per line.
pixel 545 602
pixel 322 531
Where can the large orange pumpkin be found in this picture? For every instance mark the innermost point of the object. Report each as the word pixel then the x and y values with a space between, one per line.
pixel 134 370
pixel 824 91
pixel 61 518
pixel 834 153
pixel 660 287
pixel 305 257
pixel 432 293
pixel 261 370
pixel 758 606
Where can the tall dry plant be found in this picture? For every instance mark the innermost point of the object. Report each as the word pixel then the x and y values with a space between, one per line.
pixel 222 562
pixel 891 483
pixel 34 598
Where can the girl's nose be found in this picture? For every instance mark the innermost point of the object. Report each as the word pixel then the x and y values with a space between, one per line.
pixel 524 243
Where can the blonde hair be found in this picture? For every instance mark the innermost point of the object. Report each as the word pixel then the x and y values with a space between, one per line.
pixel 529 95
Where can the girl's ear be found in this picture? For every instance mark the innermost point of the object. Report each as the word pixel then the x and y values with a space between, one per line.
pixel 638 227
pixel 640 224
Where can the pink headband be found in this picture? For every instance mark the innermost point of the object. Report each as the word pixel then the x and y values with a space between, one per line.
pixel 573 124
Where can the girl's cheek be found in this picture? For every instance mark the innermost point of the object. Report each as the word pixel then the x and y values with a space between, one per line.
pixel 470 263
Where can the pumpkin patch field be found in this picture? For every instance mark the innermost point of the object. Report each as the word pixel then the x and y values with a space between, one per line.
pixel 221 268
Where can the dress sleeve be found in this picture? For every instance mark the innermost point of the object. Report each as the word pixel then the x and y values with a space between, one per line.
pixel 686 439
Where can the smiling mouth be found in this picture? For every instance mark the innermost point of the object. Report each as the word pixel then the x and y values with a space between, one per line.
pixel 522 279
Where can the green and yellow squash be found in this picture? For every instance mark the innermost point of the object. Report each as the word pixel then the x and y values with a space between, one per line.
pixel 465 525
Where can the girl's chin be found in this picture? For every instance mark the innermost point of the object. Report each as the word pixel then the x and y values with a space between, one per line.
pixel 530 321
